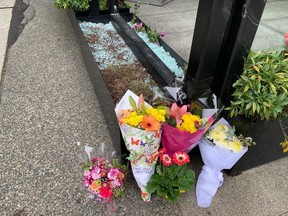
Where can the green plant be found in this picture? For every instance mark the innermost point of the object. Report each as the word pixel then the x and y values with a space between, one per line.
pixel 261 92
pixel 126 4
pixel 284 144
pixel 136 12
pixel 140 87
pixel 77 5
pixel 172 176
pixel 152 34
pixel 103 5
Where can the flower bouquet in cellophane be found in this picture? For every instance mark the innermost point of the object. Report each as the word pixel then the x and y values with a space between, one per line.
pixel 220 149
pixel 140 125
pixel 182 130
pixel 103 176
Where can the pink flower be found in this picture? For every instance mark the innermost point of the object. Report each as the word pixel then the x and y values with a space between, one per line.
pixel 106 184
pixel 101 160
pixel 140 25
pixel 113 173
pixel 120 175
pixel 115 183
pixel 95 170
pixel 141 102
pixel 286 39
pixel 87 180
pixel 133 27
pixel 96 176
pixel 177 112
pixel 163 34
pixel 87 173
pixel 94 160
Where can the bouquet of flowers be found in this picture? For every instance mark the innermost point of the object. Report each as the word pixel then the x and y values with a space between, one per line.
pixel 172 176
pixel 220 149
pixel 103 179
pixel 140 125
pixel 183 130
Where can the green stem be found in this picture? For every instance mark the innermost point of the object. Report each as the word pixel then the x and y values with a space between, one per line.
pixel 283 129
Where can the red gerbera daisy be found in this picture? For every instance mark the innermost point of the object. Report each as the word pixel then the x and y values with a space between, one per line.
pixel 162 151
pixel 165 159
pixel 180 158
pixel 105 192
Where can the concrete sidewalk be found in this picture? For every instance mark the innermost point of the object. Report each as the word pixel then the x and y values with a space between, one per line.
pixel 6 7
pixel 48 104
pixel 177 18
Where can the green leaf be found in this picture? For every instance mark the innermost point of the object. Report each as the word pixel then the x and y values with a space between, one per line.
pixel 272 87
pixel 132 103
pixel 246 88
pixel 249 105
pixel 151 186
pixel 254 106
pixel 267 104
pixel 182 170
pixel 158 170
pixel 256 68
pixel 232 113
pixel 190 174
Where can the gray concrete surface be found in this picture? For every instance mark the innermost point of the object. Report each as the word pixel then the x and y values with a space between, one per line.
pixel 47 104
pixel 177 18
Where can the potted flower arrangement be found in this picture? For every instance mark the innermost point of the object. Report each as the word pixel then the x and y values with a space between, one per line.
pixel 172 176
pixel 260 106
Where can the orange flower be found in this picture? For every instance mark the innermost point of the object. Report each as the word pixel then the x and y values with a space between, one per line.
pixel 150 123
pixel 95 185
pixel 125 113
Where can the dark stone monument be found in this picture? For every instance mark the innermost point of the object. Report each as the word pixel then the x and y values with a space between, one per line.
pixel 223 35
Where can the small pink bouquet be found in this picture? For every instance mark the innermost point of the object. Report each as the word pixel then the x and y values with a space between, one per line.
pixel 182 130
pixel 103 179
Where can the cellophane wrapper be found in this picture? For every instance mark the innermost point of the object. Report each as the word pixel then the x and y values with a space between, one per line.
pixel 174 140
pixel 215 159
pixel 142 145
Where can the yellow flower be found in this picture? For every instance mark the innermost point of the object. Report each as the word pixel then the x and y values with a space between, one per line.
pixel 159 114
pixel 189 123
pixel 221 127
pixel 235 145
pixel 216 135
pixel 133 120
pixel 223 143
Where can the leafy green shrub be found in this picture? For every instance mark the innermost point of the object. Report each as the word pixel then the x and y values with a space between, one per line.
pixel 261 92
pixel 77 5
